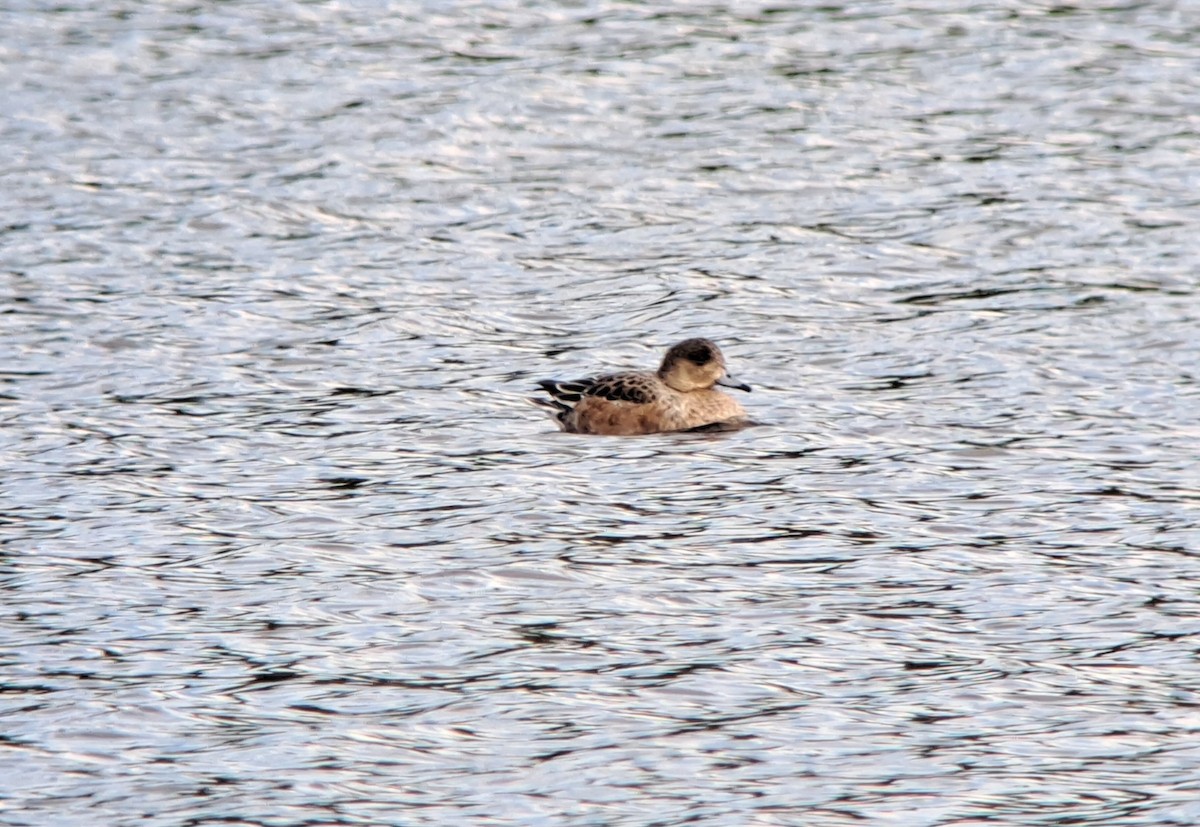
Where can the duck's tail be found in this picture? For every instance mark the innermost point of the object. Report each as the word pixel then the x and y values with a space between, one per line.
pixel 563 396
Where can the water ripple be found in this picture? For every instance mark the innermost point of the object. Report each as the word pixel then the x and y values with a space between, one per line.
pixel 280 539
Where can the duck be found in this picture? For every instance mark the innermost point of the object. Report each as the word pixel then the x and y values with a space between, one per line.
pixel 680 396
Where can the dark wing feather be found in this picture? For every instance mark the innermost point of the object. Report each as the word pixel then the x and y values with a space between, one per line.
pixel 567 393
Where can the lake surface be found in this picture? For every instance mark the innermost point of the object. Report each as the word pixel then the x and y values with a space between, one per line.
pixel 282 543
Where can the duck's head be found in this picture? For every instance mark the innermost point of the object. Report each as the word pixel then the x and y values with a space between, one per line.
pixel 696 364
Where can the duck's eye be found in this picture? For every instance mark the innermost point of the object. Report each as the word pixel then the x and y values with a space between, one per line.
pixel 698 353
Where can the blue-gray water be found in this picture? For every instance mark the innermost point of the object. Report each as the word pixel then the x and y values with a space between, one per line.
pixel 281 543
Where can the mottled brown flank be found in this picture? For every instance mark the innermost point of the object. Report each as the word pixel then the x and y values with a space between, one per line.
pixel 596 416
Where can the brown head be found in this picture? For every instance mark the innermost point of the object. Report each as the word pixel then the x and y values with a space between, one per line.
pixel 694 365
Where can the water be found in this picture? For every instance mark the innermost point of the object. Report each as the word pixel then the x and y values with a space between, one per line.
pixel 282 544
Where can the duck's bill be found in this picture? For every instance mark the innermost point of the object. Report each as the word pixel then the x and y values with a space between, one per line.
pixel 730 382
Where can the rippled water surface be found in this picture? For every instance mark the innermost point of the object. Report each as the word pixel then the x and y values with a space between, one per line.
pixel 281 542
